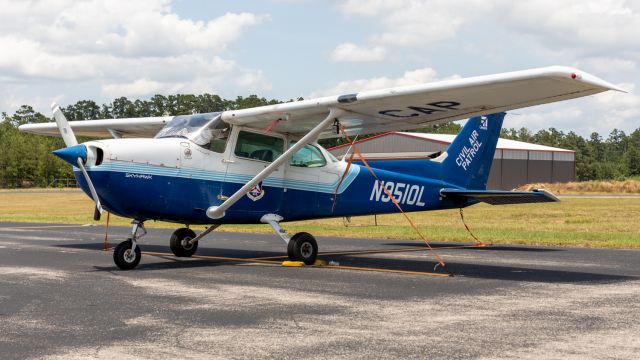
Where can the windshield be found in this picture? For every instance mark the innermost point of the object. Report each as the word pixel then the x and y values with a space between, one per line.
pixel 186 126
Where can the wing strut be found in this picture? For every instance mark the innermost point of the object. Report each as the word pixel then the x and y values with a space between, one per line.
pixel 216 212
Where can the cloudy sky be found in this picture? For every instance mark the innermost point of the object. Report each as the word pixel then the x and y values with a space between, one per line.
pixel 68 50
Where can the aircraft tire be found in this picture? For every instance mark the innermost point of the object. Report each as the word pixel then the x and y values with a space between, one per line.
pixel 290 253
pixel 179 247
pixel 305 247
pixel 123 258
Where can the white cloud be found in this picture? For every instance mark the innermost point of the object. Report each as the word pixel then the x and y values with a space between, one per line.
pixel 593 26
pixel 120 27
pixel 353 53
pixel 414 77
pixel 132 48
pixel 139 87
pixel 253 82
pixel 607 65
pixel 414 22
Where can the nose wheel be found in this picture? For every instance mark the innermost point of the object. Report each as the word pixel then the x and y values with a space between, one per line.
pixel 126 257
pixel 127 254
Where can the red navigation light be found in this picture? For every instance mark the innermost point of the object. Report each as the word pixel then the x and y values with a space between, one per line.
pixel 573 76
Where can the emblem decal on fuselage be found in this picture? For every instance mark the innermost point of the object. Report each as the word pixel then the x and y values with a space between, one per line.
pixel 256 193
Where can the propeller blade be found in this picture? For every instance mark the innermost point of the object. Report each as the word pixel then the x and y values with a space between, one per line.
pixel 63 126
pixel 92 189
pixel 74 154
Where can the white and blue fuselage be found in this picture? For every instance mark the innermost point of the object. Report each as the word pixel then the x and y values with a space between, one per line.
pixel 174 180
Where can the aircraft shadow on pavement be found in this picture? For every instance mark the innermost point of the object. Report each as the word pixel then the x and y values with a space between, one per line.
pixel 172 263
pixel 424 263
pixel 471 246
pixel 484 271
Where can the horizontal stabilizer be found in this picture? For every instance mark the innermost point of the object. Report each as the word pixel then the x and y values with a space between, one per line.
pixel 500 197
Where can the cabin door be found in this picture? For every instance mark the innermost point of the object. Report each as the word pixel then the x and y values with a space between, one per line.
pixel 250 153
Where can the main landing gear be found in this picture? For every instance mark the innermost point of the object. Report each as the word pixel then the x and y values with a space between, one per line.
pixel 300 247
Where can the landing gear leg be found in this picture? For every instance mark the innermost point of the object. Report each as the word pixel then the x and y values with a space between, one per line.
pixel 300 247
pixel 127 254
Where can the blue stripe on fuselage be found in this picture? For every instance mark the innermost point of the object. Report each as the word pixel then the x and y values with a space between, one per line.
pixel 144 192
pixel 192 173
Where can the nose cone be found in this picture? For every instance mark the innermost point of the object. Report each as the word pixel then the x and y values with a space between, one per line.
pixel 72 153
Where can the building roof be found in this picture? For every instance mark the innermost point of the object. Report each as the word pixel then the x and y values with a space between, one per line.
pixel 503 144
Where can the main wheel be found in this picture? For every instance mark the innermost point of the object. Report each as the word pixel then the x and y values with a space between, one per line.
pixel 180 243
pixel 124 258
pixel 290 253
pixel 303 247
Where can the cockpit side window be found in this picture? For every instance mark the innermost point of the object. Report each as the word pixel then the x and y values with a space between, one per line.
pixel 217 134
pixel 258 146
pixel 308 156
pixel 218 144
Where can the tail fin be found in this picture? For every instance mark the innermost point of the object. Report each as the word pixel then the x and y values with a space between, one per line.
pixel 469 157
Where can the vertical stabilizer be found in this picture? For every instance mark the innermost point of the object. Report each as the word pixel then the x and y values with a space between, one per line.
pixel 469 157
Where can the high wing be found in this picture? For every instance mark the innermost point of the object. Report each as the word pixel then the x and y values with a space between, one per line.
pixel 400 108
pixel 417 106
pixel 104 128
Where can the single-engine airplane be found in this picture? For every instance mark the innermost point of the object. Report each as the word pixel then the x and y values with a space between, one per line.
pixel 264 165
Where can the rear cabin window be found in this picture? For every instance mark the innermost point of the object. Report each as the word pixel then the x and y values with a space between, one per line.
pixel 308 156
pixel 258 146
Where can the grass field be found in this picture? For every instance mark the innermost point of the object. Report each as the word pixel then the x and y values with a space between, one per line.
pixel 589 222
pixel 630 186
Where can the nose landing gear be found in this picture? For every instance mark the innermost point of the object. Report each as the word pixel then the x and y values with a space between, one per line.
pixel 127 254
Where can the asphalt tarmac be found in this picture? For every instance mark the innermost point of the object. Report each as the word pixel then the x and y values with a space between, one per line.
pixel 61 296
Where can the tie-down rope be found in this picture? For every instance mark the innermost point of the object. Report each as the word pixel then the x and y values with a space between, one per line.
pixel 388 193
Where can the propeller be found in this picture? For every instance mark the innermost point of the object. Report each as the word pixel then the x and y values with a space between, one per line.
pixel 74 154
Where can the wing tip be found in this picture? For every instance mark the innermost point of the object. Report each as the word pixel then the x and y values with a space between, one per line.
pixel 583 76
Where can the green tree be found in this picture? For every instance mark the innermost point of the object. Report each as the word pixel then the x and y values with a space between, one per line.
pixel 632 155
pixel 123 108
